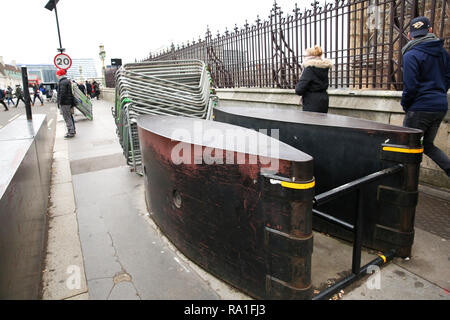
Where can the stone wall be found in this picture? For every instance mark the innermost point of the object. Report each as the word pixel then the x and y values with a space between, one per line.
pixel 380 106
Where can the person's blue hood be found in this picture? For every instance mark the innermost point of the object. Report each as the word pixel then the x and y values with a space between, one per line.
pixel 433 48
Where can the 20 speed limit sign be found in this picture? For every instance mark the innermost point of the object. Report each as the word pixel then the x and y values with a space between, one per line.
pixel 62 61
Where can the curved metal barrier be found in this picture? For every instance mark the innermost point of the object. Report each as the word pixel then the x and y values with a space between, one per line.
pixel 235 201
pixel 363 169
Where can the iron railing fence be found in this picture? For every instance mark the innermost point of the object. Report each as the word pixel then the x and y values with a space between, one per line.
pixel 363 38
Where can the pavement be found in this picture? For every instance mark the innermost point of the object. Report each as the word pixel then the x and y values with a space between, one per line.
pixel 103 244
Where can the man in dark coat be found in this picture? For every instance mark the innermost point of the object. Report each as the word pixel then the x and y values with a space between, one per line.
pixel 65 102
pixel 9 95
pixel 2 97
pixel 82 88
pixel 313 83
pixel 88 89
pixel 96 90
pixel 19 95
pixel 37 94
pixel 426 80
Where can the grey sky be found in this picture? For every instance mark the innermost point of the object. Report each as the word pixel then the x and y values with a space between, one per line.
pixel 129 29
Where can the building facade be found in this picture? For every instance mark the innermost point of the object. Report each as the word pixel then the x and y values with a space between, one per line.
pixel 83 69
pixel 43 72
pixel 10 74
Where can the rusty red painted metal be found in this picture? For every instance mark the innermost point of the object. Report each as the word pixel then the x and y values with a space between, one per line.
pixel 247 222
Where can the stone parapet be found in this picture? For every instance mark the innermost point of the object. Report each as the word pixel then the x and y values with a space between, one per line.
pixel 376 105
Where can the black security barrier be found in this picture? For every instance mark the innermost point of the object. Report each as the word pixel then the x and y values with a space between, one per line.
pixel 241 217
pixel 381 161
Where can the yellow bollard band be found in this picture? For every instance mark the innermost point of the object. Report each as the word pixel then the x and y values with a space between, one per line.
pixel 301 186
pixel 403 150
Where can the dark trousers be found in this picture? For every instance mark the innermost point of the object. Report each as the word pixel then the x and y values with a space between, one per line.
pixel 19 99
pixel 429 123
pixel 68 118
pixel 3 103
pixel 73 121
pixel 39 97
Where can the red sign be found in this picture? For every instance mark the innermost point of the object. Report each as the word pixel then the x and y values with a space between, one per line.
pixel 62 61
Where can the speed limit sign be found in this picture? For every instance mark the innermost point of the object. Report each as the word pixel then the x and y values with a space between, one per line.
pixel 62 61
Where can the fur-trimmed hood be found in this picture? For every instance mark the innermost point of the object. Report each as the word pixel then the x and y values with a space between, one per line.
pixel 318 63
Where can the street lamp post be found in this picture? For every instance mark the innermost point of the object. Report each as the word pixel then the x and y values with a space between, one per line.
pixel 51 5
pixel 81 73
pixel 102 55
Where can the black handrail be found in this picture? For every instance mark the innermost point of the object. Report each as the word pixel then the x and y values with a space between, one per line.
pixel 348 187
pixel 356 185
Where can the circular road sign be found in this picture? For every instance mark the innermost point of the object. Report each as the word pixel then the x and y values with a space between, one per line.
pixel 62 61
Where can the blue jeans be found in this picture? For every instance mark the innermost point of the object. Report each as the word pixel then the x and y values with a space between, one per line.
pixel 429 123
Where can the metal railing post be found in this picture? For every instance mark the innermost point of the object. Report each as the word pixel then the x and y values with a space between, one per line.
pixel 26 93
pixel 357 244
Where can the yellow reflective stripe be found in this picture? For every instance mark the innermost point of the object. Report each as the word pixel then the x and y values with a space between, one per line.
pixel 382 257
pixel 403 150
pixel 294 185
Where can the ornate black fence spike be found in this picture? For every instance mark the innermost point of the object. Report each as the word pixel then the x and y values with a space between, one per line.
pixel 363 38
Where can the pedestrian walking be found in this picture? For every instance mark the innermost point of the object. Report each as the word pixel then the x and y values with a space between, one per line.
pixel 313 83
pixel 426 80
pixel 37 94
pixel 19 95
pixel 82 88
pixel 96 89
pixel 9 95
pixel 42 89
pixel 2 98
pixel 65 102
pixel 88 89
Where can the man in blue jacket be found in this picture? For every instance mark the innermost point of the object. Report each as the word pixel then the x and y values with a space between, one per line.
pixel 426 79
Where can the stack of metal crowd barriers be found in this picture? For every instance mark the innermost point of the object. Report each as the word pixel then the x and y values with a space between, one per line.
pixel 174 88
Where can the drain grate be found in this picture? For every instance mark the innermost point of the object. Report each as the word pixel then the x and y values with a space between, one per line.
pixel 433 215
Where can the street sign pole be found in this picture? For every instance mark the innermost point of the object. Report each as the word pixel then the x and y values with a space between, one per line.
pixel 26 93
pixel 51 5
pixel 61 49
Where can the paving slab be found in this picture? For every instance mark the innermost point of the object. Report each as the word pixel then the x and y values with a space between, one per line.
pixel 62 199
pixel 62 277
pixel 396 283
pixel 114 233
pixel 100 289
pixel 430 258
pixel 124 291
